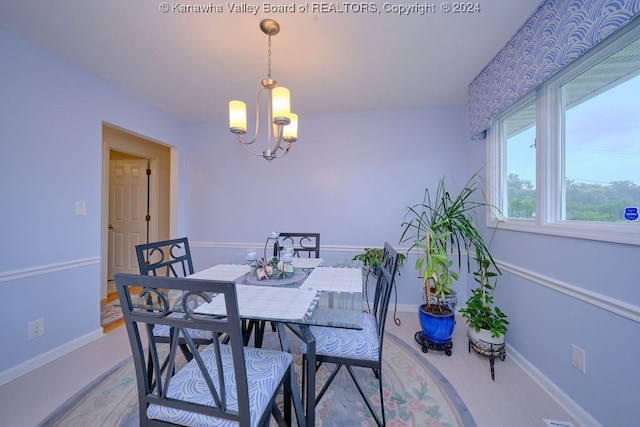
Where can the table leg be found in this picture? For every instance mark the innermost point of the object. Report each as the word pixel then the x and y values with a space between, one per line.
pixel 304 333
pixel 295 392
pixel 310 341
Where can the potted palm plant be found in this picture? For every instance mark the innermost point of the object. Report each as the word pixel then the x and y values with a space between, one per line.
pixel 435 315
pixel 440 227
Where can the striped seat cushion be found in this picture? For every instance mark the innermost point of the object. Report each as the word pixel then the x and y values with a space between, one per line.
pixel 265 370
pixel 163 331
pixel 359 344
pixel 196 334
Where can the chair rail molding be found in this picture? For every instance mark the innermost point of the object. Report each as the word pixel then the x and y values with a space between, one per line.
pixel 8 276
pixel 621 308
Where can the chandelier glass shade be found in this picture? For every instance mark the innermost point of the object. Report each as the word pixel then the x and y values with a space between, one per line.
pixel 282 124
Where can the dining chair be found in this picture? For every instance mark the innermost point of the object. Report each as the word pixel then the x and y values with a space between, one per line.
pixel 358 347
pixel 306 244
pixel 225 383
pixel 170 258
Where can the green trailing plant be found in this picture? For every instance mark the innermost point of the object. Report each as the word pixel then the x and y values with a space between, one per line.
pixel 371 259
pixel 480 310
pixel 443 225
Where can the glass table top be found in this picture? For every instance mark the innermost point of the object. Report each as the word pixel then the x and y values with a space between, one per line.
pixel 324 296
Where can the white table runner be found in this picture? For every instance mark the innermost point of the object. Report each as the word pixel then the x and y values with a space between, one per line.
pixel 266 302
pixel 334 279
pixel 225 272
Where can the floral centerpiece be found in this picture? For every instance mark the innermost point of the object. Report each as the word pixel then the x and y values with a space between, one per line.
pixel 272 268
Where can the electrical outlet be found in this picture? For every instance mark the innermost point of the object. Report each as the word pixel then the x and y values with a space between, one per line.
pixel 35 329
pixel 577 358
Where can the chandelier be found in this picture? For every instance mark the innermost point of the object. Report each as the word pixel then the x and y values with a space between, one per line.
pixel 284 124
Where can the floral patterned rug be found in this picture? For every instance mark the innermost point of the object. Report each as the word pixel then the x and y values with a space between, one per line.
pixel 415 394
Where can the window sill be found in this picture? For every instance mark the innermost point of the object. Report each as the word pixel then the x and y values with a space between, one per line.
pixel 625 233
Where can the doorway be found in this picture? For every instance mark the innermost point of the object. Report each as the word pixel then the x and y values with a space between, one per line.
pixel 129 211
pixel 135 204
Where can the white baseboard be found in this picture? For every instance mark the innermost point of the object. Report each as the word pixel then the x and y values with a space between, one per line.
pixel 406 308
pixel 42 359
pixel 582 417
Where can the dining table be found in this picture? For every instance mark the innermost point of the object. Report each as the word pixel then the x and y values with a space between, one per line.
pixel 319 295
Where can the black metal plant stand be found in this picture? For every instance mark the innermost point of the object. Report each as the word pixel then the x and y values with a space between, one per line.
pixel 490 350
pixel 427 344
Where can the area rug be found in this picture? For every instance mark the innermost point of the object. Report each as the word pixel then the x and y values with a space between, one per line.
pixel 416 394
pixel 109 312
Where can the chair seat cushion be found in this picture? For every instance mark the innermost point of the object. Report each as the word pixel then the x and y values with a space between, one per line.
pixel 362 344
pixel 196 334
pixel 265 370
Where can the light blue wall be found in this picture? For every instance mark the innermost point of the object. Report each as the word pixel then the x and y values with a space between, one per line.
pixel 349 177
pixel 51 116
pixel 559 291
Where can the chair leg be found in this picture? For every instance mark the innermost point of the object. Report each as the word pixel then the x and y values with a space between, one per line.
pixel 380 422
pixel 247 327
pixel 259 334
pixel 328 382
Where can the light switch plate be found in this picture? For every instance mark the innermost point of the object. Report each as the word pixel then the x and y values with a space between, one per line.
pixel 81 208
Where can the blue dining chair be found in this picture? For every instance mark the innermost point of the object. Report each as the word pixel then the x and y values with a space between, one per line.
pixel 358 347
pixel 170 258
pixel 304 244
pixel 224 384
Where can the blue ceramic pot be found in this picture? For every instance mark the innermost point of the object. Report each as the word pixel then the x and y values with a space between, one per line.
pixel 437 328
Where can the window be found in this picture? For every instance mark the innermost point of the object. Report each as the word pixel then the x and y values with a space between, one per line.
pixel 602 138
pixel 566 159
pixel 520 162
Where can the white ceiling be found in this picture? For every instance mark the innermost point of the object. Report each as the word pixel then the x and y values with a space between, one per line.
pixel 190 65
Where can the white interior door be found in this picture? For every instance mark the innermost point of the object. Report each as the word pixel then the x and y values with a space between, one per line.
pixel 127 213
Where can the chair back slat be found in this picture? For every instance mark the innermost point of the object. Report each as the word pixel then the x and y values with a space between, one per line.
pixel 168 258
pixel 304 244
pixel 154 384
pixel 384 286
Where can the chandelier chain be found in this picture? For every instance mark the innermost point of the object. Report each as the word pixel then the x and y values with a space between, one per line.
pixel 269 59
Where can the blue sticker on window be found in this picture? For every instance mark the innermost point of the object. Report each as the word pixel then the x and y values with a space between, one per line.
pixel 631 214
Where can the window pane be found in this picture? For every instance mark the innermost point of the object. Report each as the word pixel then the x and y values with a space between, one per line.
pixel 602 139
pixel 520 159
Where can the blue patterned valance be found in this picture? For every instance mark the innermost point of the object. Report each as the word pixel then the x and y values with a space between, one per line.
pixel 556 34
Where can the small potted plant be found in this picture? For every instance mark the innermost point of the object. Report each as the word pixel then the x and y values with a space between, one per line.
pixel 486 322
pixel 371 259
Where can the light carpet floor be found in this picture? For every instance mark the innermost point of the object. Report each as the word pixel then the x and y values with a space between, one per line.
pixel 416 394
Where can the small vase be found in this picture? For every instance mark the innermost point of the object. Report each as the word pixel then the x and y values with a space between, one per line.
pixel 450 299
